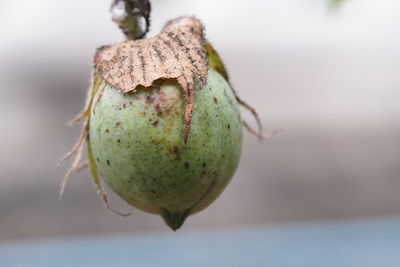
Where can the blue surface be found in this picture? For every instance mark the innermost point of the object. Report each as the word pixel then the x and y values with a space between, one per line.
pixel 340 244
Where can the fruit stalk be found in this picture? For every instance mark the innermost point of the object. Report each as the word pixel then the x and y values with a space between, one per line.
pixel 132 17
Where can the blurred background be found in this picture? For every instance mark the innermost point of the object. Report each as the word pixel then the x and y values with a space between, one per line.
pixel 329 77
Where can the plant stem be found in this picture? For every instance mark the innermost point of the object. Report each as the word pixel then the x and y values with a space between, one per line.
pixel 132 17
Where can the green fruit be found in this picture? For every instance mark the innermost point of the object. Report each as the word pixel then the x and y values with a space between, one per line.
pixel 162 126
pixel 137 143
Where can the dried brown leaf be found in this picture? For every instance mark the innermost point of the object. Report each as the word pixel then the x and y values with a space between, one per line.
pixel 177 53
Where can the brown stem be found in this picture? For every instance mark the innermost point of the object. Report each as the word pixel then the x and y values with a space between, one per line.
pixel 132 17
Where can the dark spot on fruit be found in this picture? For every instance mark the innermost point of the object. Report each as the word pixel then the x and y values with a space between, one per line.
pixel 119 141
pixel 215 100
pixel 117 124
pixel 186 165
pixel 203 173
pixel 124 105
pixel 130 103
pixel 167 110
pixel 120 109
pixel 175 151
pixel 153 192
pixel 107 131
pixel 108 163
pixel 155 123
pixel 204 165
pixel 98 160
pixel 223 156
pixel 149 100
pixel 158 110
pixel 229 126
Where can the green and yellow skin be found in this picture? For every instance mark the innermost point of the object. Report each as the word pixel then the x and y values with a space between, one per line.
pixel 137 144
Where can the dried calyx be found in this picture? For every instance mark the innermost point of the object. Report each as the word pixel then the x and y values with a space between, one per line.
pixel 180 52
pixel 177 53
